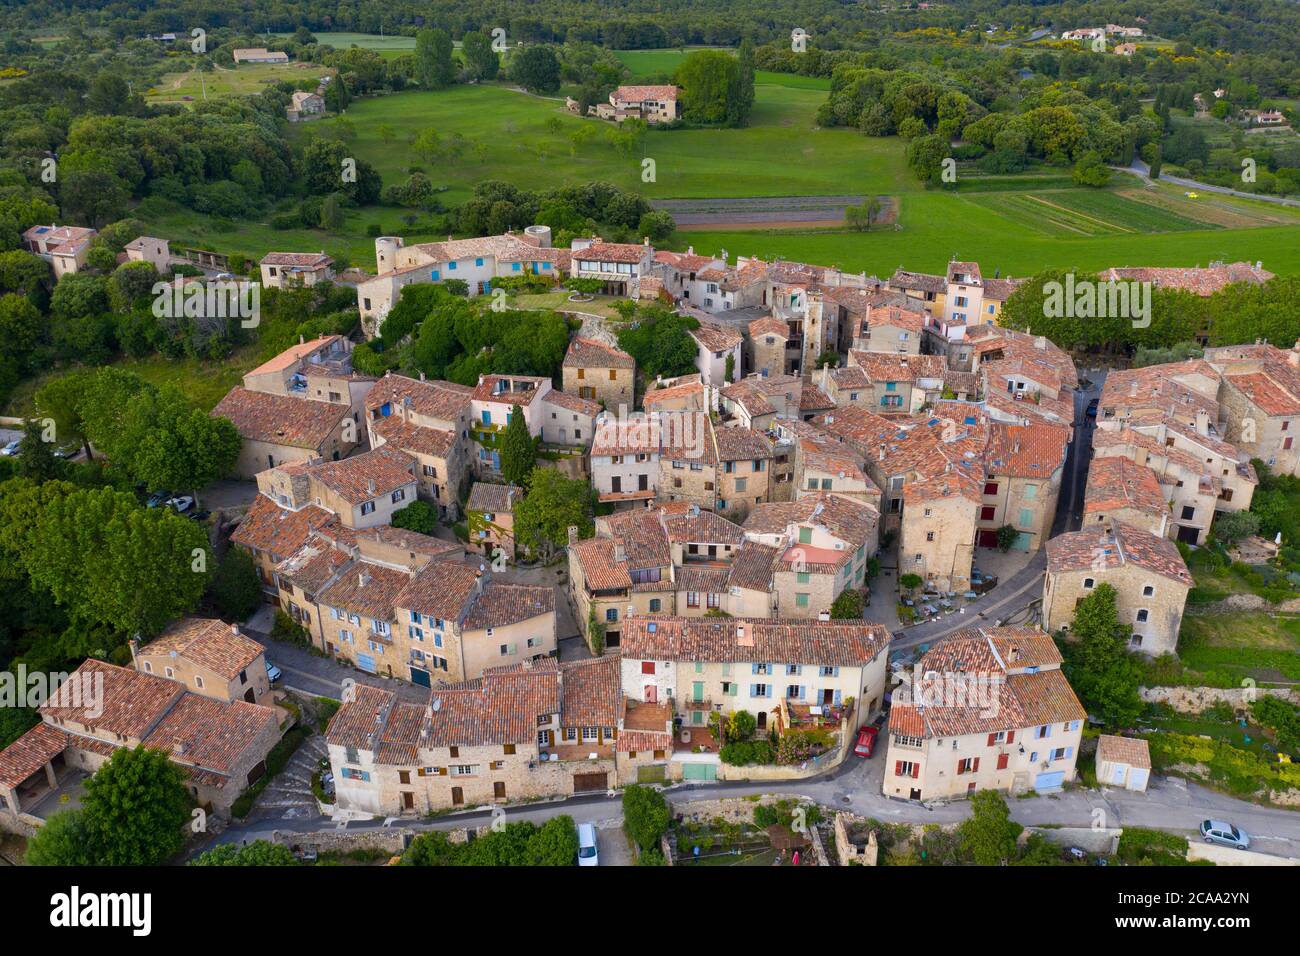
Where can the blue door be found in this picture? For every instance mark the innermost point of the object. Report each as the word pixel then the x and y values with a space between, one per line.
pixel 1052 780
pixel 366 663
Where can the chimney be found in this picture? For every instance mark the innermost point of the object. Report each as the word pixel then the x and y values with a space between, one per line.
pixel 370 485
pixel 1140 456
pixel 421 376
pixel 135 647
pixel 363 579
pixel 1040 342
pixel 573 535
pixel 1014 655
pixel 302 339
pixel 742 638
pixel 823 615
pixel 234 629
pixel 620 553
pixel 1202 422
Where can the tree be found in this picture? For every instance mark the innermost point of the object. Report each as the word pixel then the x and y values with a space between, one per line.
pixel 645 815
pixel 135 806
pixel 236 589
pixel 536 68
pixel 740 101
pixel 419 516
pixel 63 841
pixel 1231 526
pixel 555 843
pixel 711 88
pixel 553 504
pixel 481 61
pixel 518 450
pixel 107 559
pixel 36 455
pixel 1007 535
pixel 1090 170
pixel 729 369
pixel 14 722
pixel 434 65
pixel 257 853
pixel 1097 662
pixel 848 606
pixel 989 834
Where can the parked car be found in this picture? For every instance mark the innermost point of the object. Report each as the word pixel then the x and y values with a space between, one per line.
pixel 1224 834
pixel 272 672
pixel 1092 408
pixel 180 504
pixel 158 499
pixel 11 449
pixel 587 855
pixel 866 741
pixel 199 515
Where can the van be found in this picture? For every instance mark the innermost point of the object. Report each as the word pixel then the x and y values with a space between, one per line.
pixel 587 855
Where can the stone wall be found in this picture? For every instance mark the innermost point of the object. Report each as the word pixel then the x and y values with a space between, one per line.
pixel 1104 842
pixel 1194 700
pixel 847 850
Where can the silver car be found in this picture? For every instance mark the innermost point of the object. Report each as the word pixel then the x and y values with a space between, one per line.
pixel 1224 834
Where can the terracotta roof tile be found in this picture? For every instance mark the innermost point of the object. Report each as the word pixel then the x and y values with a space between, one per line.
pixel 208 643
pixel 280 419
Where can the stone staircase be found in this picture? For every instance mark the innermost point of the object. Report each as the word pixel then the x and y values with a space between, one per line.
pixel 289 795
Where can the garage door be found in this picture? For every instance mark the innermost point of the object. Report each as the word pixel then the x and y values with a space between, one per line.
pixel 699 771
pixel 420 677
pixel 366 663
pixel 1049 781
pixel 586 782
pixel 988 538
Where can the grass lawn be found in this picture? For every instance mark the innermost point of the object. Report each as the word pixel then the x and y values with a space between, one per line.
pixel 232 81
pixel 781 154
pixel 1262 646
pixel 204 382
pixel 367 41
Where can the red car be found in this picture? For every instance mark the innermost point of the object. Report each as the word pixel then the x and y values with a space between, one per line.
pixel 866 741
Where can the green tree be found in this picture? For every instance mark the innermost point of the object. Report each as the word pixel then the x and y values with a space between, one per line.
pixel 518 451
pixel 481 61
pixel 711 87
pixel 553 504
pixel 419 516
pixel 555 843
pixel 1231 526
pixel 36 455
pixel 135 807
pixel 257 853
pixel 645 815
pixel 14 722
pixel 235 588
pixel 989 834
pixel 536 68
pixel 1091 170
pixel 434 64
pixel 63 841
pixel 848 606
pixel 1097 661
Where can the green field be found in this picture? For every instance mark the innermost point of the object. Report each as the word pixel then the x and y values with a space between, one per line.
pixel 242 80
pixel 781 154
pixel 1017 225
pixel 643 63
pixel 366 41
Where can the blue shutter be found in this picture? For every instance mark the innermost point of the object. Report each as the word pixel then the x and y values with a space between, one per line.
pixel 837 674
pixel 434 275
pixel 1069 752
pixel 803 692
pixel 753 668
pixel 837 697
pixel 753 690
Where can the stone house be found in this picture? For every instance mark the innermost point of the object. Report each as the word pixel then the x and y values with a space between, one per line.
pixel 599 372
pixel 284 270
pixel 489 513
pixel 986 709
pixel 210 658
pixel 1148 574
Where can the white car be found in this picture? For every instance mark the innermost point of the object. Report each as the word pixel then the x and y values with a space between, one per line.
pixel 1224 834
pixel 11 449
pixel 587 855
pixel 272 672
pixel 180 504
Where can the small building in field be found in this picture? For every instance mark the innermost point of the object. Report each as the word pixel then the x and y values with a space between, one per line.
pixel 258 55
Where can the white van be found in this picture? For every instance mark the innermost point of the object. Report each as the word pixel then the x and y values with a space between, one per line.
pixel 587 845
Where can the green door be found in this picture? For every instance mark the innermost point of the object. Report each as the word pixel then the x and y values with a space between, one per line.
pixel 699 771
pixel 697 691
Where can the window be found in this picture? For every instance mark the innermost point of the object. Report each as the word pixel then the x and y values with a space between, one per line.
pixel 1148 591
pixel 590 733
pixel 1142 615
pixel 611 615
pixel 367 507
pixel 692 599
pixel 399 495
pixel 990 488
pixel 929 536
pixel 801 599
pixel 647 667
pixel 759 690
pixel 655 604
pixel 1088 584
pixel 1026 518
pixel 198 682
pixel 1189 511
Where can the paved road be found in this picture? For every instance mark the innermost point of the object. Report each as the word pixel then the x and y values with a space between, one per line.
pixel 1139 168
pixel 1168 804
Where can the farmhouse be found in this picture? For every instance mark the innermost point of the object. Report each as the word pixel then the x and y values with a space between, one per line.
pixel 258 55
pixel 63 247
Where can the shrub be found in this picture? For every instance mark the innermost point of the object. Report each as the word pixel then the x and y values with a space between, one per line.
pixel 645 815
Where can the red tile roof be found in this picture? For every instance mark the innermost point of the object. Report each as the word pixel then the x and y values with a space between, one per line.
pixel 208 643
pixel 593 353
pixel 1112 544
pixel 280 419
pixel 736 640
